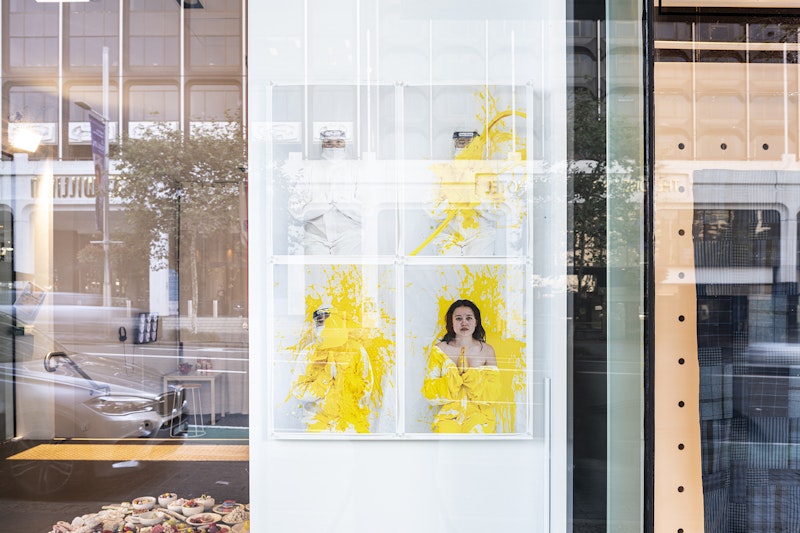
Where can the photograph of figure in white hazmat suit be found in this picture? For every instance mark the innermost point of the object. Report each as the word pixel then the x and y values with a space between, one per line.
pixel 336 204
pixel 335 369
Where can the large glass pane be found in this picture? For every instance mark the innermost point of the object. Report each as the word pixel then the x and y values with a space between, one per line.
pixel 726 148
pixel 587 283
pixel 154 34
pixel 606 266
pixel 626 259
pixel 214 35
pixel 32 35
pixel 426 176
pixel 123 270
pixel 90 27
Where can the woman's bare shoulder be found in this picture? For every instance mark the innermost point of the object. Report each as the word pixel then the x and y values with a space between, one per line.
pixel 490 357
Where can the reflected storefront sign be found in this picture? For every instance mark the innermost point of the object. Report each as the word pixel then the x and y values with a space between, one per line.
pixel 69 187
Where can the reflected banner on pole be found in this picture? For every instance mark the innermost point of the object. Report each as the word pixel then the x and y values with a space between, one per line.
pixel 98 130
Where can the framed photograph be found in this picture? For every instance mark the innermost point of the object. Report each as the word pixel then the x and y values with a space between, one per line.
pixel 467 356
pixel 334 370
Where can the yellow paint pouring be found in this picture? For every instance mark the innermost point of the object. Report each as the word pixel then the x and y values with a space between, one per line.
pixel 463 198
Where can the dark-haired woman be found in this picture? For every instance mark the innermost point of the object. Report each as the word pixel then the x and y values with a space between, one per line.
pixel 462 375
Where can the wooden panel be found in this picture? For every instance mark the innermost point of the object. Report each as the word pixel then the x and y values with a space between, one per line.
pixel 674 111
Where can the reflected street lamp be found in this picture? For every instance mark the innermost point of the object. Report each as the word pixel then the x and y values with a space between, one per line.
pixel 99 130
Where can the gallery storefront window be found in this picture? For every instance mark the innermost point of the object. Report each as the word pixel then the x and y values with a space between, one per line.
pixel 339 260
pixel 123 264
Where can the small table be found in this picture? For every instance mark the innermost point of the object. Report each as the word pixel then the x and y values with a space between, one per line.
pixel 209 377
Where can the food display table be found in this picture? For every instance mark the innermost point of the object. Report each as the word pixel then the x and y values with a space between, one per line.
pixel 165 514
pixel 210 376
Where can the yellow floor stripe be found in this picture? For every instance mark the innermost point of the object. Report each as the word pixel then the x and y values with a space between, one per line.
pixel 134 452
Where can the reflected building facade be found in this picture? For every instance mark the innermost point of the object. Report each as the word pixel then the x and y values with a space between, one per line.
pixel 166 65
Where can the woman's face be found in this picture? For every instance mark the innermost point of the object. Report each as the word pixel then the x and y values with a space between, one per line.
pixel 464 322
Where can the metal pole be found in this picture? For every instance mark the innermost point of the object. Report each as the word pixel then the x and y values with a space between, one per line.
pixel 104 192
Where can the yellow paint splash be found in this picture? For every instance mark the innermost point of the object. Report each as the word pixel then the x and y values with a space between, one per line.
pixel 484 286
pixel 465 185
pixel 354 402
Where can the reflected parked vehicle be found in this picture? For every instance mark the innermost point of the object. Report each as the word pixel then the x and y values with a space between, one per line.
pixel 65 394
pixel 90 396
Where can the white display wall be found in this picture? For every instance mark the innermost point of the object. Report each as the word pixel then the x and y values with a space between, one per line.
pixel 381 239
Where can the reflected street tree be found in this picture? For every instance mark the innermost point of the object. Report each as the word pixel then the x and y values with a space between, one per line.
pixel 177 188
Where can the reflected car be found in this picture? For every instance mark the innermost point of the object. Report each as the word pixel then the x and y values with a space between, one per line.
pixel 90 396
pixel 66 394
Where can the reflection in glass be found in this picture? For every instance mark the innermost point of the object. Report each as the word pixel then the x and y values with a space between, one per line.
pixel 153 30
pixel 215 34
pixel 92 25
pixel 736 238
pixel 37 45
pixel 73 363
pixel 745 278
